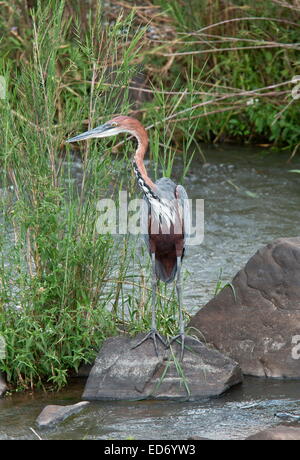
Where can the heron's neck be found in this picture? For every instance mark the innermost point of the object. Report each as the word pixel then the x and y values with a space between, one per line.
pixel 138 162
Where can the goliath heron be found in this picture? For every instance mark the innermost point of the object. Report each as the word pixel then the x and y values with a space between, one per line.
pixel 166 221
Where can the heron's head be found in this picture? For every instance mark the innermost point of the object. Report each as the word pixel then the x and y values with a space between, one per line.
pixel 116 125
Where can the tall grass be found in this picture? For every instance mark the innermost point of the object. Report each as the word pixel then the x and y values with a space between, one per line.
pixel 55 262
pixel 63 286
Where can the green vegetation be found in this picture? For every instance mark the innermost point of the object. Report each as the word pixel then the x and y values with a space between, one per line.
pixel 68 67
pixel 242 55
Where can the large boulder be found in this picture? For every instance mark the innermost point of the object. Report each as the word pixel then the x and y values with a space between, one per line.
pixel 122 372
pixel 256 319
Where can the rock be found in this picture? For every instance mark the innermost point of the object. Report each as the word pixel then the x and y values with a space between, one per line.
pixel 257 321
pixel 123 373
pixel 53 414
pixel 83 371
pixel 279 433
pixel 3 386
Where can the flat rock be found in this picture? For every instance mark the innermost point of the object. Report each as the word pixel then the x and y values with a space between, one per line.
pixel 3 386
pixel 279 433
pixel 121 372
pixel 53 414
pixel 256 320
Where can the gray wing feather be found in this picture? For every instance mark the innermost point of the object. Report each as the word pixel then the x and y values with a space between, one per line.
pixel 145 212
pixel 184 202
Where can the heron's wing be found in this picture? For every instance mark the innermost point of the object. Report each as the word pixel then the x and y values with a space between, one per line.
pixel 185 209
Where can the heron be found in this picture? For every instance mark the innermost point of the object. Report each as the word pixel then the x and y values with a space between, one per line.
pixel 165 219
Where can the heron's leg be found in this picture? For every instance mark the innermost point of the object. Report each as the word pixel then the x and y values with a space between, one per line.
pixel 153 332
pixel 154 287
pixel 179 296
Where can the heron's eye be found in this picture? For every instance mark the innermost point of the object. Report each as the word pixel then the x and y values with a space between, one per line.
pixel 114 123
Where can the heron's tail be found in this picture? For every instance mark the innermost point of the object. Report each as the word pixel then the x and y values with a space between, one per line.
pixel 166 269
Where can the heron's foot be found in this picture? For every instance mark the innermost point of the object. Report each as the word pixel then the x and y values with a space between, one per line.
pixel 153 334
pixel 179 338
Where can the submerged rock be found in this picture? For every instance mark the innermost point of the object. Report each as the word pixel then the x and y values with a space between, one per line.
pixel 83 371
pixel 198 438
pixel 256 320
pixel 3 386
pixel 279 433
pixel 53 414
pixel 125 373
pixel 288 416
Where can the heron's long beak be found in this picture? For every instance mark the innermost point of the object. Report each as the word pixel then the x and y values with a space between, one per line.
pixel 100 131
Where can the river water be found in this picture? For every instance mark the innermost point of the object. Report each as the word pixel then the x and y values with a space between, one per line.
pixel 250 199
pixel 242 411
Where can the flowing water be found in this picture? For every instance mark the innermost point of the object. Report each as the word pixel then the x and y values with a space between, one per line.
pixel 242 411
pixel 251 198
